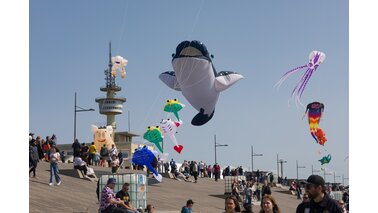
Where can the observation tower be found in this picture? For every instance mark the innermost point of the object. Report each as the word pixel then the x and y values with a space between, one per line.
pixel 111 105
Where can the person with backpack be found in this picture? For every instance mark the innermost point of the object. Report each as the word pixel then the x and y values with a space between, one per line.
pixel 33 158
pixel 104 153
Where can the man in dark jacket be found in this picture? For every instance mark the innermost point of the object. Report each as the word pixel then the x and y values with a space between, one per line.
pixel 319 200
pixel 76 148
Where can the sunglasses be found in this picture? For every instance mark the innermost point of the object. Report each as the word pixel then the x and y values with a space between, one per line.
pixel 309 185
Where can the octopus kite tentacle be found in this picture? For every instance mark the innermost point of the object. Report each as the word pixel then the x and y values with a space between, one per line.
pixel 287 74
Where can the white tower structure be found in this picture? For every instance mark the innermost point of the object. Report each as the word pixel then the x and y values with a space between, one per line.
pixel 110 105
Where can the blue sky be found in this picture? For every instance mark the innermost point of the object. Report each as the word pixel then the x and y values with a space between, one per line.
pixel 262 40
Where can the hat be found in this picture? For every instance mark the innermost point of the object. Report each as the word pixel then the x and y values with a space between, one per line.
pixel 189 202
pixel 316 180
pixel 31 133
pixel 112 180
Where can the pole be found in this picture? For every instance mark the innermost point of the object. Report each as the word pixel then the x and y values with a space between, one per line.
pixel 128 115
pixel 75 119
pixel 324 176
pixel 278 169
pixel 297 170
pixel 252 157
pixel 334 177
pixel 281 168
pixel 312 169
pixel 215 147
pixel 343 180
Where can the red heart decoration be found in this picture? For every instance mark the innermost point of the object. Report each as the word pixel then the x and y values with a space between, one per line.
pixel 178 148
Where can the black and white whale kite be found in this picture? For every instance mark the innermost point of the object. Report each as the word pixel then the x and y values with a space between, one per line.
pixel 195 76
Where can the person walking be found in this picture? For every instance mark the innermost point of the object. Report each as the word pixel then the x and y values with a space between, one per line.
pixel 33 158
pixel 216 171
pixel 104 153
pixel 298 190
pixel 266 189
pixel 195 171
pixel 54 168
pixel 319 199
pixel 76 148
pixel 92 153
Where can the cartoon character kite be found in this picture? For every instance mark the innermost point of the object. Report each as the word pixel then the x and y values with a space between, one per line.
pixel 315 59
pixel 102 137
pixel 145 157
pixel 315 110
pixel 169 127
pixel 119 63
pixel 154 136
pixel 195 76
pixel 173 106
pixel 325 159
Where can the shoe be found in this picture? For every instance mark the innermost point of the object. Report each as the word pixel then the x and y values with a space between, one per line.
pixel 86 176
pixel 59 183
pixel 50 184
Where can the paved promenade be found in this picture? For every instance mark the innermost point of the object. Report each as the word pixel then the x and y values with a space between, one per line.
pixel 79 195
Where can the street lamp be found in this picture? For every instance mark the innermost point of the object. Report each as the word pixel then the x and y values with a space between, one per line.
pixel 325 174
pixel 281 161
pixel 78 109
pixel 253 154
pixel 299 167
pixel 335 176
pixel 312 170
pixel 216 145
pixel 344 178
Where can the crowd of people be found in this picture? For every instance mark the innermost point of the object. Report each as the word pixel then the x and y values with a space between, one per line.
pixel 85 156
pixel 192 170
pixel 46 150
pixel 317 197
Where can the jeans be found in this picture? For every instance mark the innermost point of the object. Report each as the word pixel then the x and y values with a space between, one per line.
pixel 54 170
pixel 248 199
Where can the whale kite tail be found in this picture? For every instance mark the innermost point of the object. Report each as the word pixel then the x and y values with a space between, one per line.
pixel 158 177
pixel 201 118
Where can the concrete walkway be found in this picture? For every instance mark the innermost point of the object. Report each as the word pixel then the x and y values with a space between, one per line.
pixel 79 195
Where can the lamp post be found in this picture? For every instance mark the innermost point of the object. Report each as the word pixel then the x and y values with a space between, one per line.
pixel 325 174
pixel 299 167
pixel 281 161
pixel 216 145
pixel 78 109
pixel 335 176
pixel 312 170
pixel 253 154
pixel 344 178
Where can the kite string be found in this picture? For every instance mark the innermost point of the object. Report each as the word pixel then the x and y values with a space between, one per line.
pixel 123 26
pixel 160 91
pixel 196 20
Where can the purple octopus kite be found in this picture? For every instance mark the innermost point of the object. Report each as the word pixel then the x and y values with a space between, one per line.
pixel 315 59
